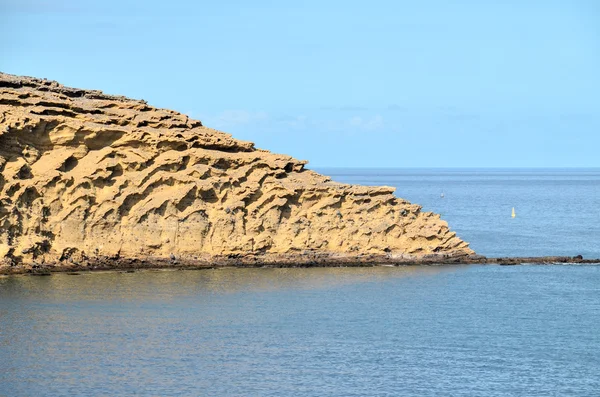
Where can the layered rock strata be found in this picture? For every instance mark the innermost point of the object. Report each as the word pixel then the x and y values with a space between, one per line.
pixel 90 176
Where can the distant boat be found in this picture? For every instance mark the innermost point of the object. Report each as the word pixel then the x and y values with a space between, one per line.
pixel 514 215
pixel 442 195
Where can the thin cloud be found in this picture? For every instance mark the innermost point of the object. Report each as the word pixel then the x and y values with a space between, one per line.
pixel 261 121
pixel 235 118
pixel 292 121
pixel 367 124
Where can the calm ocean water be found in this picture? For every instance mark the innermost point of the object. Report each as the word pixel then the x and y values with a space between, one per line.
pixel 558 210
pixel 383 331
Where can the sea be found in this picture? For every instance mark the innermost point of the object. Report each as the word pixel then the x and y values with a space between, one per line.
pixel 476 330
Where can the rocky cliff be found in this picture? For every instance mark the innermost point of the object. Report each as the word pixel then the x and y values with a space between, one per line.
pixel 86 175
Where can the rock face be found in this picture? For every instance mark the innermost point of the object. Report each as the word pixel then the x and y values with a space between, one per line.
pixel 89 175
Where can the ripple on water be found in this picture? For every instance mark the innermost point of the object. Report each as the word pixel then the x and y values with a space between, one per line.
pixel 422 330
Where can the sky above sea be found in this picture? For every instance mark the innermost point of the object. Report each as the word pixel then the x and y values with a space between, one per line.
pixel 340 83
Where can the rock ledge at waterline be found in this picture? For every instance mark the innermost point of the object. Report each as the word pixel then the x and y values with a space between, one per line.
pixel 87 177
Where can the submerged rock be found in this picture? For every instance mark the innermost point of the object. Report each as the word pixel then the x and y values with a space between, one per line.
pixel 86 175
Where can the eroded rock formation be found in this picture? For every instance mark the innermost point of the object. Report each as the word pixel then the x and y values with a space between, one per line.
pixel 86 175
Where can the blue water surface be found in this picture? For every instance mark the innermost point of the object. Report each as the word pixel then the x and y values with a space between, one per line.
pixel 557 210
pixel 478 330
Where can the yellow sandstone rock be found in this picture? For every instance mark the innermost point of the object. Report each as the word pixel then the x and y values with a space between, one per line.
pixel 84 174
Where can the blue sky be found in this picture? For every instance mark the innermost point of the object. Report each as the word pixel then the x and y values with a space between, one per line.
pixel 340 83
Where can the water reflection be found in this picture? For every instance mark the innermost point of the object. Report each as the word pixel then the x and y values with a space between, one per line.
pixel 166 284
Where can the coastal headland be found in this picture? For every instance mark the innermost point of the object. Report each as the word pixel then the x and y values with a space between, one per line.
pixel 90 181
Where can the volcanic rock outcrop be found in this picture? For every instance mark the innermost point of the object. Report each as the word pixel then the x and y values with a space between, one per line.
pixel 89 175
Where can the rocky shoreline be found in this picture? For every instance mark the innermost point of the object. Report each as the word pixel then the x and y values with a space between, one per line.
pixel 275 261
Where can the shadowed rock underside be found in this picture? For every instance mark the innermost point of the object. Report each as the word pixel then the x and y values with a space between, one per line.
pixel 87 175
